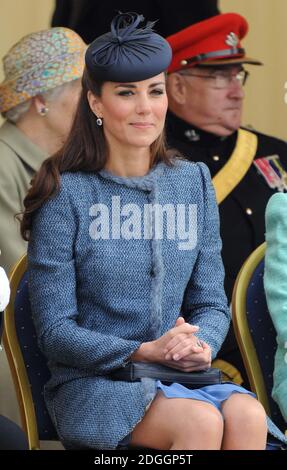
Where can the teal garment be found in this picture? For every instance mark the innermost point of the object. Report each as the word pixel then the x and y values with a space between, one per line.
pixel 275 282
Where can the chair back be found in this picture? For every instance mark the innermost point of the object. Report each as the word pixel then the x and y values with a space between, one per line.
pixel 255 333
pixel 28 365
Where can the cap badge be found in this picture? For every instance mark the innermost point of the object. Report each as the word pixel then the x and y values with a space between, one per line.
pixel 231 40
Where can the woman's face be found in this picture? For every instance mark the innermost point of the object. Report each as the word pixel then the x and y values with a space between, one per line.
pixel 133 113
pixel 62 109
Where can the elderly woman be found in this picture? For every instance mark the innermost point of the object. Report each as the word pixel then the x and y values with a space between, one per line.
pixel 37 99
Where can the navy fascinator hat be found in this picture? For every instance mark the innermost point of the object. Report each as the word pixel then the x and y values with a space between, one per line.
pixel 128 53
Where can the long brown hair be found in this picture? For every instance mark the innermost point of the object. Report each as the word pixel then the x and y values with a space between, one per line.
pixel 85 149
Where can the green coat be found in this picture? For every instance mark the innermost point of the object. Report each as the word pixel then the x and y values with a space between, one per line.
pixel 275 281
pixel 19 159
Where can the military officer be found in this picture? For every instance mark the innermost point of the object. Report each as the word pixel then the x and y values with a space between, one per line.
pixel 205 88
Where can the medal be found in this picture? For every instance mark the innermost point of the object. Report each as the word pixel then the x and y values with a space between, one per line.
pixel 272 171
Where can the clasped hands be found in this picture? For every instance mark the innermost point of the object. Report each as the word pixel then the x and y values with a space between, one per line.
pixel 180 349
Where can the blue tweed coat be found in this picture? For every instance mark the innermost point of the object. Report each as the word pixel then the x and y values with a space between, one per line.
pixel 94 301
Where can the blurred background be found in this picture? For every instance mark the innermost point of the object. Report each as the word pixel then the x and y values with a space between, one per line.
pixel 265 107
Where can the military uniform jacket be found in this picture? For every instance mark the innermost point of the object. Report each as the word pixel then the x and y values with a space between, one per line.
pixel 242 211
pixel 19 159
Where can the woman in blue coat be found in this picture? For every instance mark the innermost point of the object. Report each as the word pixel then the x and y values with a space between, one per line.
pixel 124 262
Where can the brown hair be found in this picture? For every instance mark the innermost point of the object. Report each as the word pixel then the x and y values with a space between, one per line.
pixel 86 149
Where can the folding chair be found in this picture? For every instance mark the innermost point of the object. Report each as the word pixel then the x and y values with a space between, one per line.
pixel 28 365
pixel 255 332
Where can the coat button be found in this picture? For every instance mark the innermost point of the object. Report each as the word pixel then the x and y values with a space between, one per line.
pixel 216 158
pixel 249 211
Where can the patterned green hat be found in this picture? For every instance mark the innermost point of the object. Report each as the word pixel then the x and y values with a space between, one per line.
pixel 39 62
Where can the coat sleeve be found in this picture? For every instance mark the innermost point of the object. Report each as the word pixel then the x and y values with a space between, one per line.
pixel 12 245
pixel 53 294
pixel 275 283
pixel 205 302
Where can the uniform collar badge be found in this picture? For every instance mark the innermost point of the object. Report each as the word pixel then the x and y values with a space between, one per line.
pixel 192 135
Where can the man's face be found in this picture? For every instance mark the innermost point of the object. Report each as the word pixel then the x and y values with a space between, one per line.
pixel 210 98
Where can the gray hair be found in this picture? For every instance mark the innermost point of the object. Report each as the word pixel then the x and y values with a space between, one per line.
pixel 14 114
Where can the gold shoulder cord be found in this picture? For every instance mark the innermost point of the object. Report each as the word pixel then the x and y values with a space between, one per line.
pixel 237 166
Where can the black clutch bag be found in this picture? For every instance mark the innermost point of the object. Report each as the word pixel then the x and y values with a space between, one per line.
pixel 135 371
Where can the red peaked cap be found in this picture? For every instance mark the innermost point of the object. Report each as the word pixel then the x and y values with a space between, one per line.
pixel 215 41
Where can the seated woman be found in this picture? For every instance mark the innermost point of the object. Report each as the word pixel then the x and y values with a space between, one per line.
pixel 38 98
pixel 275 283
pixel 124 264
